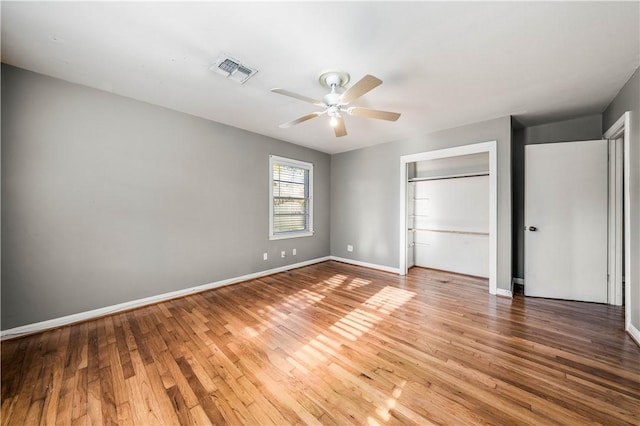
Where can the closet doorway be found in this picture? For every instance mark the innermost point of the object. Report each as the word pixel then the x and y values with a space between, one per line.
pixel 448 217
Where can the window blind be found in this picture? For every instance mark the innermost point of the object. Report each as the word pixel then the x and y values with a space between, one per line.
pixel 290 197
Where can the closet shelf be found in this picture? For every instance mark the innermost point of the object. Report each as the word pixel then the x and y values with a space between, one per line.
pixel 463 175
pixel 448 231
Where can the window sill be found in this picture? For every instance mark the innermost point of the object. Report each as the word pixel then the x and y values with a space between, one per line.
pixel 292 235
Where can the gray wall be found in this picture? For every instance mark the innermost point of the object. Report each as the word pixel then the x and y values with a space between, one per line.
pixel 629 100
pixel 365 192
pixel 106 200
pixel 578 129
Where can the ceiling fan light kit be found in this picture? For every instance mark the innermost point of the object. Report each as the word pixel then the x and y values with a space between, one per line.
pixel 335 103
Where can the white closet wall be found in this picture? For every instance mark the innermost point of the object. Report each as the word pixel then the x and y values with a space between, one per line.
pixel 449 220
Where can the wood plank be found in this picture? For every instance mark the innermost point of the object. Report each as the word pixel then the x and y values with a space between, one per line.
pixel 125 416
pixel 108 408
pixel 204 398
pixel 65 402
pixel 80 394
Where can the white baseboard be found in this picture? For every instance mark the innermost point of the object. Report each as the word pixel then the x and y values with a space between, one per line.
pixel 108 310
pixel 634 333
pixel 504 293
pixel 366 264
pixel 519 281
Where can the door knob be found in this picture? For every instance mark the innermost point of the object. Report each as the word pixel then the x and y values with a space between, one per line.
pixel 533 228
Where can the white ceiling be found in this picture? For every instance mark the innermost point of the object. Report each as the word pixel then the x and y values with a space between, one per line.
pixel 443 64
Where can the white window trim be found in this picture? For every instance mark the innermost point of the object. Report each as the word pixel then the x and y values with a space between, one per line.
pixel 294 163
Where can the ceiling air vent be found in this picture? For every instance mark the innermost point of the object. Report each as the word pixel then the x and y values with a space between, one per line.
pixel 233 69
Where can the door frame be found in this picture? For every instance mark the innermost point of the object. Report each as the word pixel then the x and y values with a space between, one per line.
pixel 615 226
pixel 621 128
pixel 482 147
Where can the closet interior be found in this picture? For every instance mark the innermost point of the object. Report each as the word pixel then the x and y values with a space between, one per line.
pixel 448 214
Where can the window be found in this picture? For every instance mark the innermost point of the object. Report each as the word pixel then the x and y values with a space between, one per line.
pixel 291 197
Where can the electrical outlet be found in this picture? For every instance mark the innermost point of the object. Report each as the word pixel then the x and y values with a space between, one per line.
pixel 283 254
pixel 294 252
pixel 265 256
pixel 349 247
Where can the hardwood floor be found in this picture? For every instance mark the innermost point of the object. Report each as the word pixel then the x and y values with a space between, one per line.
pixel 332 344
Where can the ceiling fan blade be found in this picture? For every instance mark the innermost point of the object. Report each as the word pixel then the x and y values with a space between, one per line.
pixel 297 96
pixel 374 113
pixel 339 128
pixel 301 119
pixel 364 85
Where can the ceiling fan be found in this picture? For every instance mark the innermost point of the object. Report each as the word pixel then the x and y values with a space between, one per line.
pixel 335 103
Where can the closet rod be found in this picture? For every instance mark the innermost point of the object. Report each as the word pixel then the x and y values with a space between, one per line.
pixel 465 175
pixel 447 231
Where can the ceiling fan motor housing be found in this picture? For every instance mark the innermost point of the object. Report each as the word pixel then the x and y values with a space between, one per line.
pixel 331 99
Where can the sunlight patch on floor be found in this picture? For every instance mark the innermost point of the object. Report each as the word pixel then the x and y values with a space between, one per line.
pixel 372 422
pixel 383 410
pixel 389 299
pixel 354 324
pixel 357 283
pixel 251 332
pixel 290 304
pixel 333 282
pixel 293 303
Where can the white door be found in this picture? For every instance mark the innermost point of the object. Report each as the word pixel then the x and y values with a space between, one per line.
pixel 566 220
